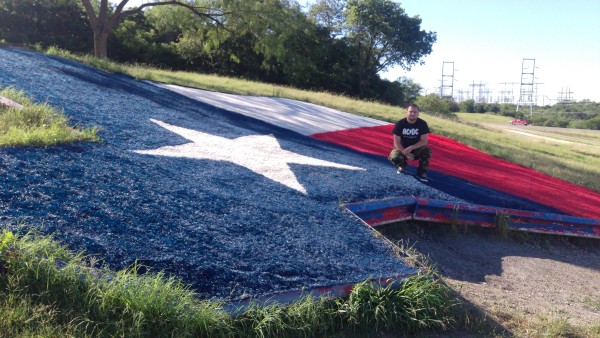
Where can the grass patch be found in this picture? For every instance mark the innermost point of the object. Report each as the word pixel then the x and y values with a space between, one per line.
pixel 593 304
pixel 548 325
pixel 47 291
pixel 483 118
pixel 37 124
pixel 90 60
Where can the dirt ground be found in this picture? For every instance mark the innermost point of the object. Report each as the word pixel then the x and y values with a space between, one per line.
pixel 526 276
pixel 522 276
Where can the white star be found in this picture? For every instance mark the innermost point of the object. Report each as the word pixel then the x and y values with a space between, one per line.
pixel 259 153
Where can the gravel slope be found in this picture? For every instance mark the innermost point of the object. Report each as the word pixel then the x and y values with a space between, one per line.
pixel 218 225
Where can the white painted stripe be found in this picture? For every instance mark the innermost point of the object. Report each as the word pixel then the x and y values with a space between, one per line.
pixel 259 153
pixel 5 101
pixel 301 117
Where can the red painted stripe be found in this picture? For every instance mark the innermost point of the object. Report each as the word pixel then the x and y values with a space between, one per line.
pixel 458 160
pixel 338 291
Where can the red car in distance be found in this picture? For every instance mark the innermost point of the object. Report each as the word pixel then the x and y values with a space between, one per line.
pixel 519 122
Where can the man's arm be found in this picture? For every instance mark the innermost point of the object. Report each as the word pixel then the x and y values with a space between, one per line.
pixel 422 142
pixel 398 143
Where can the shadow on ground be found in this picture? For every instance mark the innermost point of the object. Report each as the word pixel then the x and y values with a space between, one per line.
pixel 519 276
pixel 472 254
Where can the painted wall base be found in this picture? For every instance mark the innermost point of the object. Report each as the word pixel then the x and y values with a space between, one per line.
pixel 399 209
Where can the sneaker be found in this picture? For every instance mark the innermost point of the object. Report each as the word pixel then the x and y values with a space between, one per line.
pixel 400 170
pixel 422 177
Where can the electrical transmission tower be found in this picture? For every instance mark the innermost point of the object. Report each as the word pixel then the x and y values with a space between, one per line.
pixel 480 98
pixel 447 88
pixel 507 95
pixel 527 82
pixel 485 94
pixel 565 96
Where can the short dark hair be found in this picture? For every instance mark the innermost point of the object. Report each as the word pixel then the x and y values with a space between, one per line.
pixel 414 105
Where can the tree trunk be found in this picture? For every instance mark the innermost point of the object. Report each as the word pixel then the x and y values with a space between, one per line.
pixel 101 44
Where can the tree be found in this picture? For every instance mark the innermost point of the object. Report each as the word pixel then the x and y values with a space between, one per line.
pixel 104 19
pixel 434 105
pixel 467 106
pixel 410 89
pixel 592 123
pixel 135 39
pixel 258 39
pixel 384 36
pixel 328 14
pixel 47 22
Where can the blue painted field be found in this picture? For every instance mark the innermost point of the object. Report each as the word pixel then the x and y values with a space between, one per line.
pixel 232 205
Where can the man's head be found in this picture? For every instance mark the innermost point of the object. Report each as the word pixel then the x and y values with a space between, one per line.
pixel 412 113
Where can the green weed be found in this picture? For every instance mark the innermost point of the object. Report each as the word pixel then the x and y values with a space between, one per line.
pixel 47 291
pixel 502 225
pixel 37 124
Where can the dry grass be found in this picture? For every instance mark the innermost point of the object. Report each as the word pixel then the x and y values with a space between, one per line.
pixel 546 325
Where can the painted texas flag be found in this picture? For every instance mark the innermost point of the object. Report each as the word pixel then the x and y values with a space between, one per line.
pixel 236 196
pixel 230 204
pixel 487 180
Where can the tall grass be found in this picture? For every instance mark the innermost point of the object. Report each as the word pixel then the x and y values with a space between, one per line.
pixel 47 291
pixel 91 60
pixel 572 155
pixel 36 124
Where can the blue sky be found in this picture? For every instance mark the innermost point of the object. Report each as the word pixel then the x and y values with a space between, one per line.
pixel 488 40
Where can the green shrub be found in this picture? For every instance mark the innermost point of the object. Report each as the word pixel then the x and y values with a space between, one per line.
pixel 432 104
pixel 592 123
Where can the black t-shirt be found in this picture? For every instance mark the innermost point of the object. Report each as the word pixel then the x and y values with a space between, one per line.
pixel 410 133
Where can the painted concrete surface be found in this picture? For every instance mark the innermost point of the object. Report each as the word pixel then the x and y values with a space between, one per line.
pixel 301 117
pixel 235 201
pixel 457 170
pixel 167 187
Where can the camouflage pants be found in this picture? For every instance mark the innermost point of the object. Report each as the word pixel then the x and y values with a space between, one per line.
pixel 422 154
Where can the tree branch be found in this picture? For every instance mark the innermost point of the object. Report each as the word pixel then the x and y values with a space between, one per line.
pixel 90 11
pixel 206 11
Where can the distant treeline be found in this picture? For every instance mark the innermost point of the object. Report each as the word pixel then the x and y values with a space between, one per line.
pixel 583 114
pixel 337 46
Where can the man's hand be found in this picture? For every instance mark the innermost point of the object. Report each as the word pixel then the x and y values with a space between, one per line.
pixel 407 153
